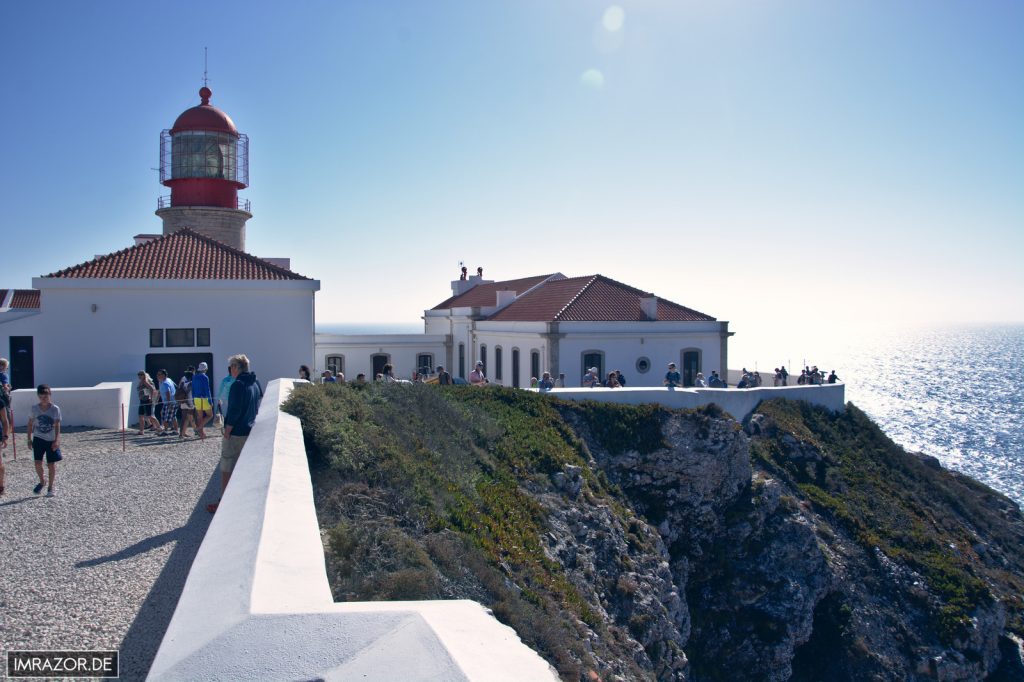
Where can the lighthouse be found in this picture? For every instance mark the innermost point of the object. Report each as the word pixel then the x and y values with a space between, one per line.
pixel 204 160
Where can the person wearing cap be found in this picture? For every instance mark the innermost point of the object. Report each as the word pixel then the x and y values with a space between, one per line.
pixel 672 378
pixel 202 398
pixel 476 377
pixel 591 379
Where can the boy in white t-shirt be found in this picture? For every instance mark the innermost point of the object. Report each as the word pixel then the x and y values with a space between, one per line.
pixel 44 437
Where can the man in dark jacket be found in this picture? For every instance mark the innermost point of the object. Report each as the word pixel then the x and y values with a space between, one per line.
pixel 243 405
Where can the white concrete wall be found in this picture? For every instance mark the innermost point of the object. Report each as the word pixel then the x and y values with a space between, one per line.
pixel 358 351
pixel 98 406
pixel 740 403
pixel 622 350
pixel 257 603
pixel 75 346
pixel 525 341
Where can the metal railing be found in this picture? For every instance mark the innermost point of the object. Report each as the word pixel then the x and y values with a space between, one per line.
pixel 241 204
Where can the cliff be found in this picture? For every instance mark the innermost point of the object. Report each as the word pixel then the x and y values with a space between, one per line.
pixel 638 543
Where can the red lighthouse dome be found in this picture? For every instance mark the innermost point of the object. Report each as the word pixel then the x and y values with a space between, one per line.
pixel 203 158
pixel 204 117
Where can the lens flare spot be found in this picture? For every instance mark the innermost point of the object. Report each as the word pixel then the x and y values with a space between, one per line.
pixel 613 19
pixel 593 79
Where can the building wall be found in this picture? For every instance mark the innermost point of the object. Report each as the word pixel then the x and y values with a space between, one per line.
pixel 75 345
pixel 624 348
pixel 358 352
pixel 525 340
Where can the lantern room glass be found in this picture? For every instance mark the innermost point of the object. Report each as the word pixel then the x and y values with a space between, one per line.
pixel 204 154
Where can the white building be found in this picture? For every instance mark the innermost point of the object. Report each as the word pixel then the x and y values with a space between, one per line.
pixel 190 295
pixel 193 294
pixel 521 328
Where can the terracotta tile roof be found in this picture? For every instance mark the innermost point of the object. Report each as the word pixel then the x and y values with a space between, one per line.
pixel 181 255
pixel 486 294
pixel 24 299
pixel 594 298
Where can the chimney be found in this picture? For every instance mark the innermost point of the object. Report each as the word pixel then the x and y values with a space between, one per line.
pixel 143 238
pixel 649 307
pixel 505 297
pixel 285 263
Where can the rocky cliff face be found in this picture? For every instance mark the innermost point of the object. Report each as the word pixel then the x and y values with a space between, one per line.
pixel 778 587
pixel 639 543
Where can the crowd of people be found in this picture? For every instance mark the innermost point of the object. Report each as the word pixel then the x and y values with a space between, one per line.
pixel 591 378
pixel 809 375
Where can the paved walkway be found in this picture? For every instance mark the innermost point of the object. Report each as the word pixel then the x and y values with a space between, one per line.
pixel 101 564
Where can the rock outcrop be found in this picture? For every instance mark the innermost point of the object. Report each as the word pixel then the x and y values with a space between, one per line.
pixel 640 543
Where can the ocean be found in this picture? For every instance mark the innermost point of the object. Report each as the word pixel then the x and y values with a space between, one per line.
pixel 956 393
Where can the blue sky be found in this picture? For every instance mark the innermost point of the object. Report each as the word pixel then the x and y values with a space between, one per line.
pixel 853 162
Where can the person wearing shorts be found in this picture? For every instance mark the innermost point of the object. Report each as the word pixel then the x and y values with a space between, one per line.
pixel 167 399
pixel 202 398
pixel 44 438
pixel 145 390
pixel 243 405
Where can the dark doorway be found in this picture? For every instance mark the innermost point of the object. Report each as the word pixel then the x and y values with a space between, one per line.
pixel 177 363
pixel 379 360
pixel 23 371
pixel 691 365
pixel 515 368
pixel 596 360
pixel 534 365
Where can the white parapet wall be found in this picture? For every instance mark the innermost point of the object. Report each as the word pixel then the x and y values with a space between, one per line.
pixel 257 603
pixel 739 402
pixel 98 406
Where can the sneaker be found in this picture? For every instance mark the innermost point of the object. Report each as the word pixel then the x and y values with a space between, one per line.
pixel 49 492
pixel 38 489
pixel 164 433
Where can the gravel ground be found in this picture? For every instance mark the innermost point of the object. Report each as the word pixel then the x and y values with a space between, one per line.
pixel 101 565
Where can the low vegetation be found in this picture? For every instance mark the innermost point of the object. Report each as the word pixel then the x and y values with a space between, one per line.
pixel 948 528
pixel 425 492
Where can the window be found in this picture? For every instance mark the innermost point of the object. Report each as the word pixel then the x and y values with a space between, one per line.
pixel 462 360
pixel 203 336
pixel 515 368
pixel 425 363
pixel 336 363
pixel 497 363
pixel 181 338
pixel 643 365
pixel 203 154
pixel 483 357
pixel 156 338
pixel 593 358
pixel 535 364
